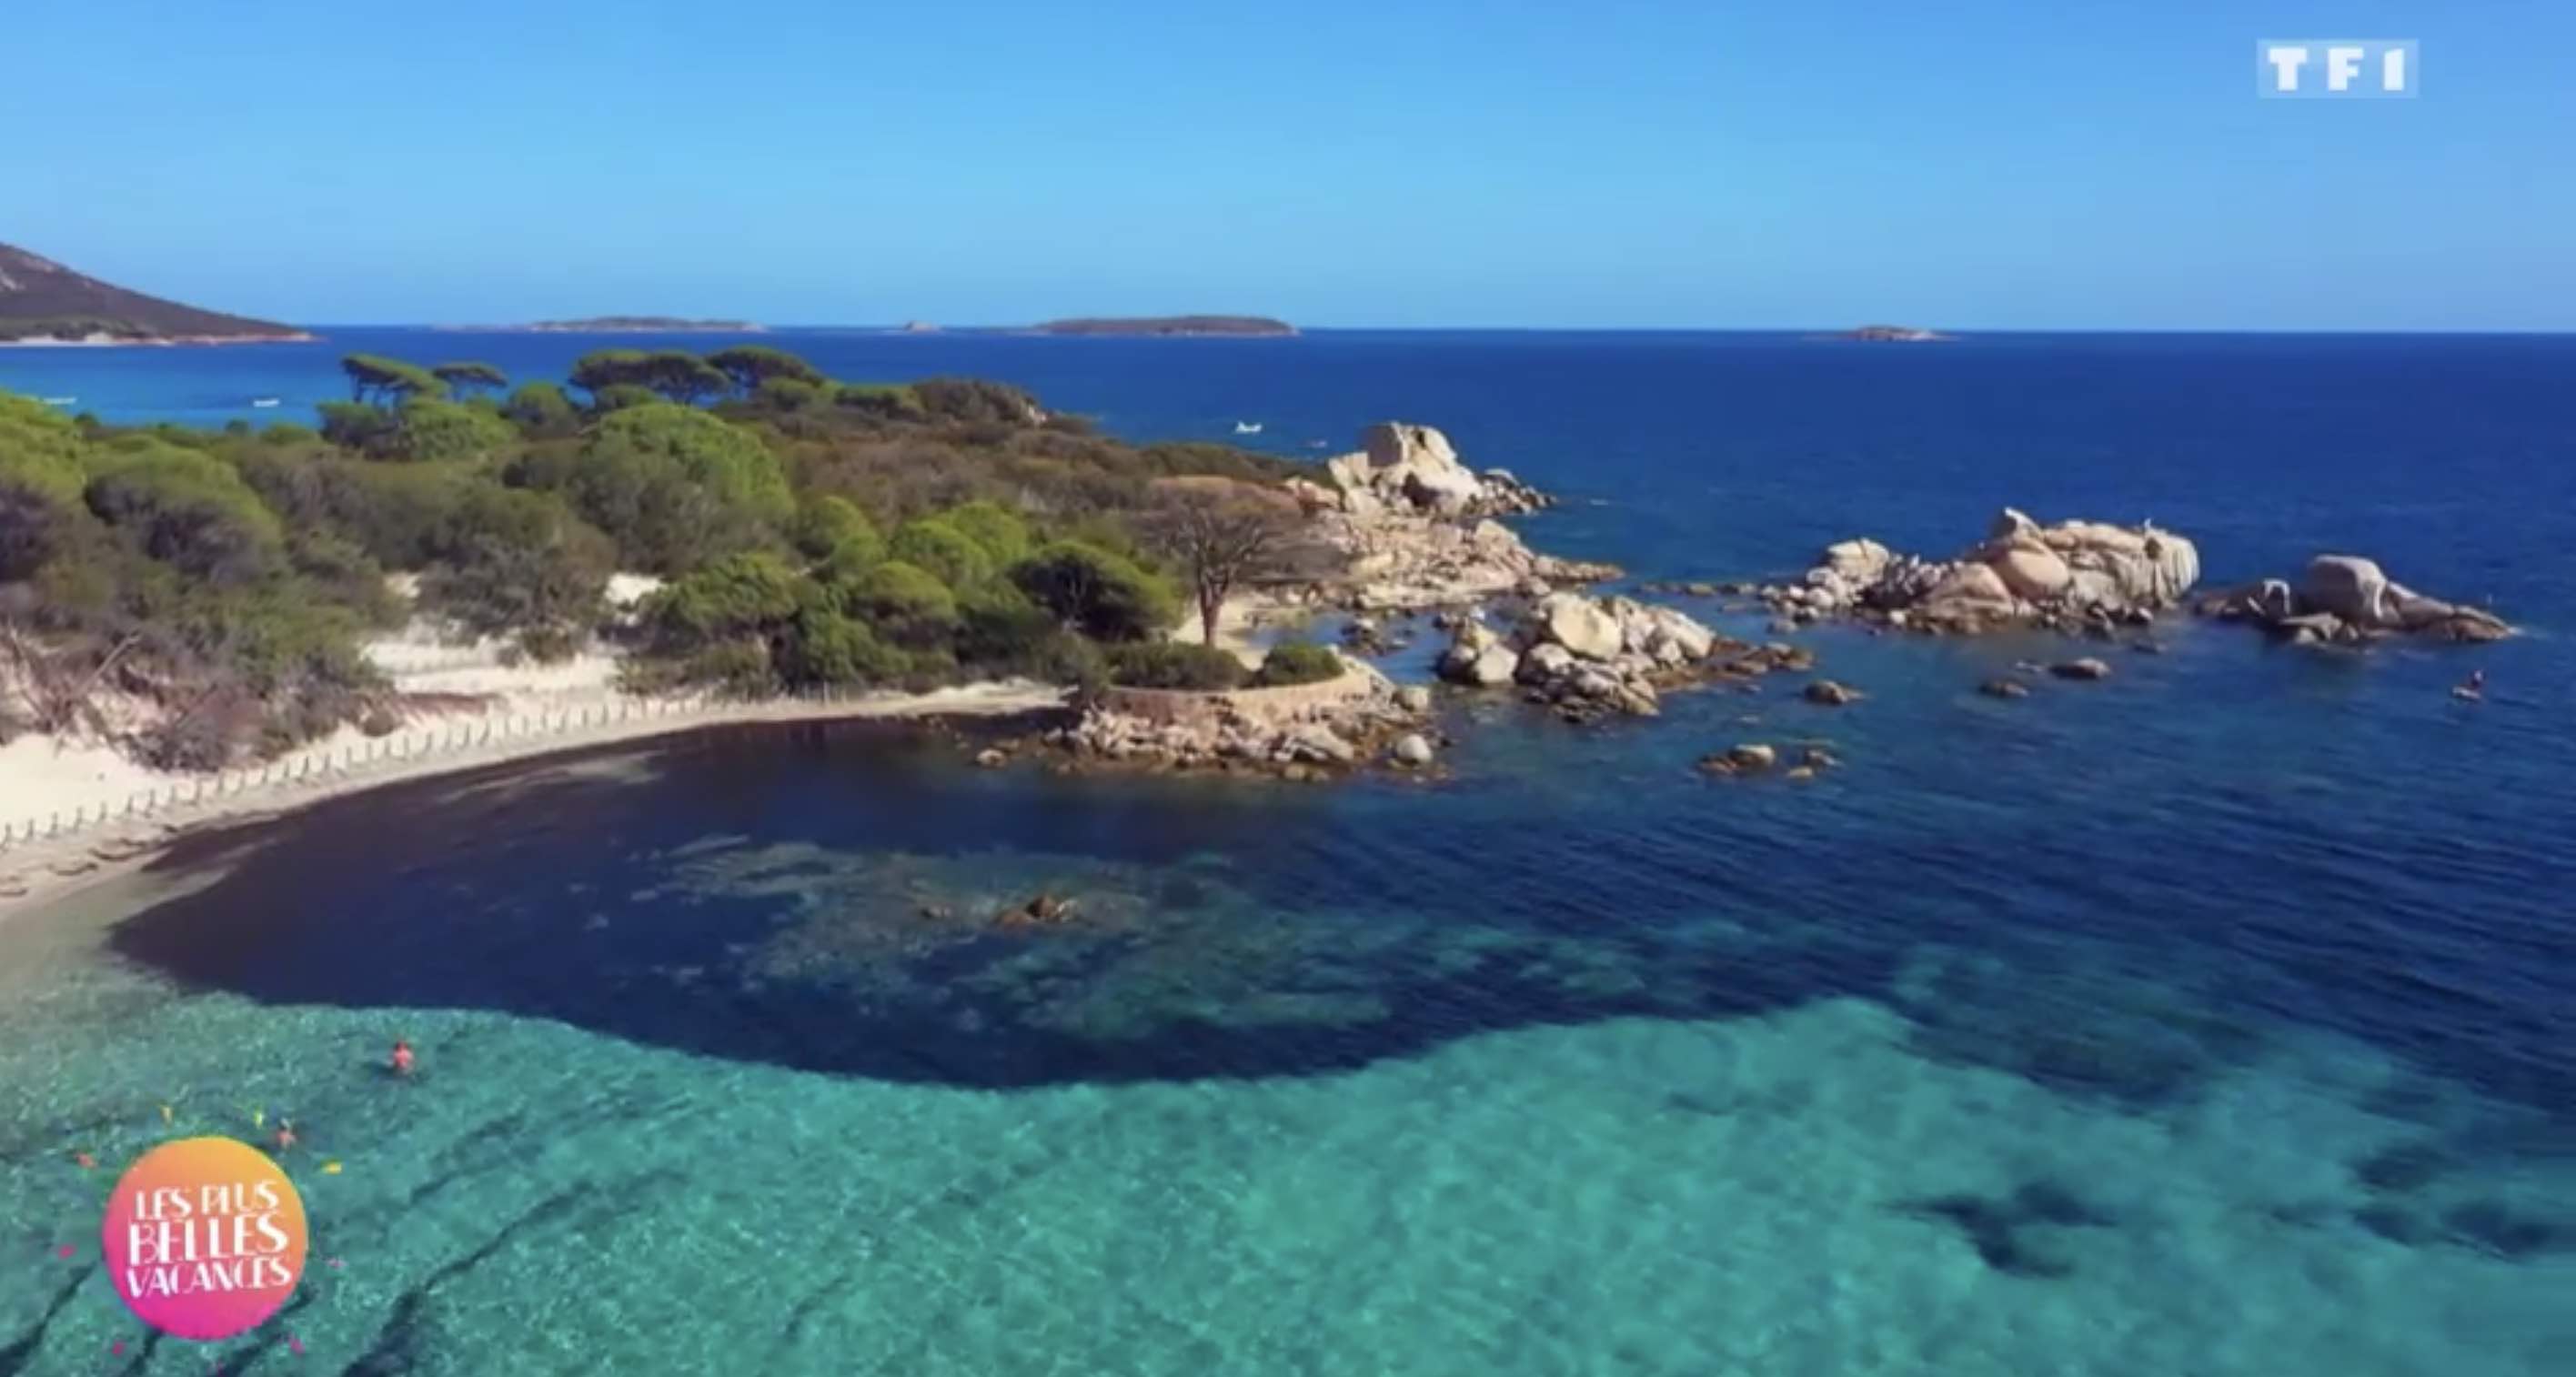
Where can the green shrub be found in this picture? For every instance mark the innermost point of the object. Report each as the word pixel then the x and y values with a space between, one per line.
pixel 1298 662
pixel 1174 665
pixel 41 454
pixel 438 431
pixel 622 396
pixel 285 433
pixel 998 625
pixel 996 528
pixel 738 595
pixel 905 603
pixel 541 409
pixel 751 367
pixel 786 394
pixel 825 647
pixel 944 550
pixel 355 426
pixel 825 524
pixel 886 402
pixel 518 562
pixel 1102 595
pixel 976 400
pixel 675 488
pixel 186 509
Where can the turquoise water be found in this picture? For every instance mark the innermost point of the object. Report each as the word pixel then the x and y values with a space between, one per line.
pixel 2208 1020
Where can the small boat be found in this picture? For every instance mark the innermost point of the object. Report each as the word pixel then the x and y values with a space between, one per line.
pixel 263 402
pixel 1247 427
pixel 61 401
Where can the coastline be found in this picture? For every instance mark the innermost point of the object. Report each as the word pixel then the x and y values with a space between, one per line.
pixel 49 869
pixel 104 341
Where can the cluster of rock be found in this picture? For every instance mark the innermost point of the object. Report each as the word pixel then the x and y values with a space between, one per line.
pixel 2073 576
pixel 1412 469
pixel 1593 657
pixel 1402 563
pixel 1755 758
pixel 2346 600
pixel 1314 739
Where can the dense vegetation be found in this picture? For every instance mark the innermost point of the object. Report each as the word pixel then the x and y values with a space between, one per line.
pixel 810 532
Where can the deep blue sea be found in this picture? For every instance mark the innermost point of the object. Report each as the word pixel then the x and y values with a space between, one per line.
pixel 2213 1019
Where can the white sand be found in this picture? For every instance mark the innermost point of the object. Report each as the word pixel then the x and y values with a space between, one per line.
pixel 94 812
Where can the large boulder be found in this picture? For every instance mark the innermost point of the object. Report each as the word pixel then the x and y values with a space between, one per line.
pixel 1579 624
pixel 2011 524
pixel 1857 562
pixel 1477 657
pixel 1417 462
pixel 1545 663
pixel 2350 587
pixel 1971 585
pixel 2030 569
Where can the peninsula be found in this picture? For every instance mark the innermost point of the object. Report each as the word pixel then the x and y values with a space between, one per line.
pixel 1168 325
pixel 44 303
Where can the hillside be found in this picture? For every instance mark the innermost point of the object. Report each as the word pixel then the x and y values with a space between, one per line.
pixel 42 301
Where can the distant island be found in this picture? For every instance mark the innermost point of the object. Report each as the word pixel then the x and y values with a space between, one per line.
pixel 44 303
pixel 624 325
pixel 1892 334
pixel 1167 325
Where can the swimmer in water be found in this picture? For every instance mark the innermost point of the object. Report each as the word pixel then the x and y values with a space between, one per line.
pixel 2474 689
pixel 402 1057
pixel 285 1134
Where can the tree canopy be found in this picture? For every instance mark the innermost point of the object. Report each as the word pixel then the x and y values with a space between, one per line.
pixel 468 378
pixel 812 532
pixel 380 381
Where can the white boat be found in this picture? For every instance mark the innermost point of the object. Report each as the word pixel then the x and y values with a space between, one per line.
pixel 263 401
pixel 61 401
pixel 1247 427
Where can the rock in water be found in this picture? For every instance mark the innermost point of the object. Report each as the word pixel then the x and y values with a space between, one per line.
pixel 2086 668
pixel 2348 586
pixel 2004 688
pixel 1413 749
pixel 1830 694
pixel 1579 624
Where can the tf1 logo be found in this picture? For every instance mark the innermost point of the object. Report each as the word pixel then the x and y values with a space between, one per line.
pixel 2363 68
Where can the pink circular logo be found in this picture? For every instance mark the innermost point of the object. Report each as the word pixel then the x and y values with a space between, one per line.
pixel 205 1238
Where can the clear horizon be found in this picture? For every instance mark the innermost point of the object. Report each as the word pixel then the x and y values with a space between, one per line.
pixel 1420 166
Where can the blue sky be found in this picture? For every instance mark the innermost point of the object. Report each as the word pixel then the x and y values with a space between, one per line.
pixel 1978 164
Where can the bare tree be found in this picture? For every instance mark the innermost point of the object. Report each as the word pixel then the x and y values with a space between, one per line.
pixel 1224 534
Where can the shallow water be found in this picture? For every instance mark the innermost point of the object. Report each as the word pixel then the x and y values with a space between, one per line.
pixel 2211 1019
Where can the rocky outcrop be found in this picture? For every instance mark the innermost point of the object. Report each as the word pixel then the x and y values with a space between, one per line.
pixel 1595 657
pixel 1402 561
pixel 1409 468
pixel 1305 728
pixel 2347 600
pixel 2072 576
pixel 1478 658
pixel 1579 624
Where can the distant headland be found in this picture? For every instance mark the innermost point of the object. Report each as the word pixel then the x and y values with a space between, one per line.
pixel 622 325
pixel 44 303
pixel 1893 334
pixel 1167 325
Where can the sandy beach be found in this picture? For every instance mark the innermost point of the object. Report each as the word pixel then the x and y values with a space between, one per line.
pixel 93 813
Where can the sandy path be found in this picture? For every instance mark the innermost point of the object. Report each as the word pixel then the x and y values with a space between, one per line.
pixel 47 868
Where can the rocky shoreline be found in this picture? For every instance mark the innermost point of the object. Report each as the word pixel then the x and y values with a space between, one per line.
pixel 1410 530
